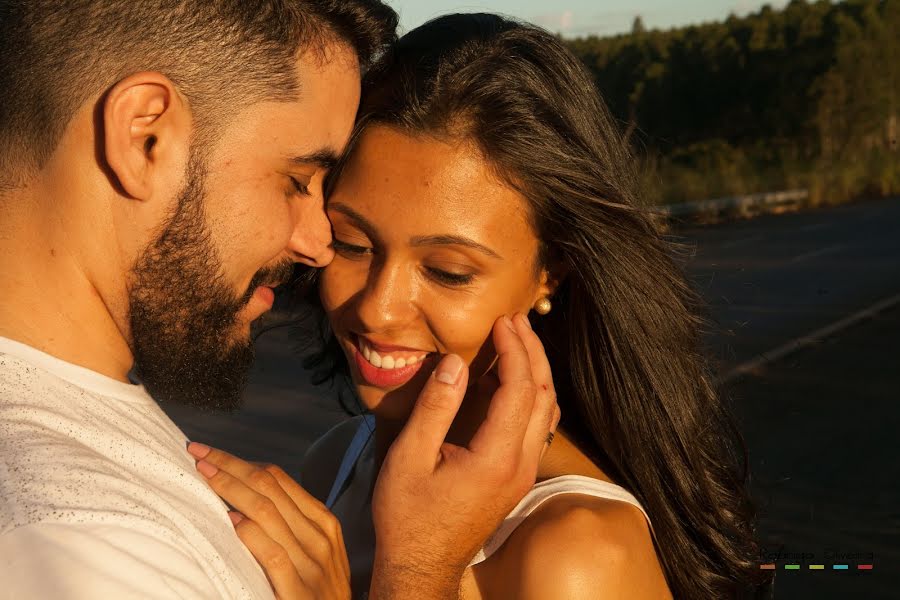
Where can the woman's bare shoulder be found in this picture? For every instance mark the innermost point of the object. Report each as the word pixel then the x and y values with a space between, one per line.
pixel 576 546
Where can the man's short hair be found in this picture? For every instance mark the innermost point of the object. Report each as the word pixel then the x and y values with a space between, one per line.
pixel 55 55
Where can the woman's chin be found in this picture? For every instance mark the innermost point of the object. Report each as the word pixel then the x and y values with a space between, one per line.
pixel 395 405
pixel 386 400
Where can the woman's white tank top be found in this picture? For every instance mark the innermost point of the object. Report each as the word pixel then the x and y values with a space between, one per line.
pixel 545 490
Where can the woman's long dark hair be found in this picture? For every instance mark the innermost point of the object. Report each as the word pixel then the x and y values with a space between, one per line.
pixel 623 336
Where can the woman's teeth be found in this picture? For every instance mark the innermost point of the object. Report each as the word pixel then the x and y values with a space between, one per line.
pixel 387 361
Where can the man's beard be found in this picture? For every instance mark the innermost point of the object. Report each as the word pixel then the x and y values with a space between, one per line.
pixel 187 344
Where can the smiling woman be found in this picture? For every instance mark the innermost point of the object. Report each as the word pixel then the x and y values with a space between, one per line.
pixel 485 178
pixel 428 254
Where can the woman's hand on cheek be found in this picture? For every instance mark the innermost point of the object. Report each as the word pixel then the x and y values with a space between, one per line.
pixel 295 539
pixel 435 504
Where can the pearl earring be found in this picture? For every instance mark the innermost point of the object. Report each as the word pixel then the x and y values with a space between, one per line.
pixel 543 306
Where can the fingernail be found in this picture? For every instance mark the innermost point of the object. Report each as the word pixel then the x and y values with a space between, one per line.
pixel 198 450
pixel 235 517
pixel 449 370
pixel 207 469
pixel 508 322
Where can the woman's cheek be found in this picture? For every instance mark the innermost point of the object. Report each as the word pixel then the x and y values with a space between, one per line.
pixel 469 324
pixel 325 290
pixel 465 330
pixel 336 286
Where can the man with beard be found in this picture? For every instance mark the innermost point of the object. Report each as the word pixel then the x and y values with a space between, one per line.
pixel 184 315
pixel 161 169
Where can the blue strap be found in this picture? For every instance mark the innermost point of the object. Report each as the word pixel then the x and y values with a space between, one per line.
pixel 357 445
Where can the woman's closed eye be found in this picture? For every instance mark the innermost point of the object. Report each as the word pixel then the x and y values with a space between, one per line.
pixel 350 250
pixel 450 279
pixel 440 276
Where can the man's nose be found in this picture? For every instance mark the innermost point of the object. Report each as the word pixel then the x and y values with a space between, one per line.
pixel 310 241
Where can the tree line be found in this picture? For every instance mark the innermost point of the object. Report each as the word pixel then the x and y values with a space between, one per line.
pixel 806 96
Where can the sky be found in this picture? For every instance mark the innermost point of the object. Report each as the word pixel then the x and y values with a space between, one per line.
pixel 583 17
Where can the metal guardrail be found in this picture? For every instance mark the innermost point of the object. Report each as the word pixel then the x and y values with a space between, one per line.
pixel 750 204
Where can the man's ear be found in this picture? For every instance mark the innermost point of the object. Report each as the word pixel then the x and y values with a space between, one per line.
pixel 147 129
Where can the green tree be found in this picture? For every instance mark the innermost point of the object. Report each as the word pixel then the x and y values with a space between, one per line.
pixel 637 26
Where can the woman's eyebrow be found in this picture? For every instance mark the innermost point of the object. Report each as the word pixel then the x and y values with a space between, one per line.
pixel 453 240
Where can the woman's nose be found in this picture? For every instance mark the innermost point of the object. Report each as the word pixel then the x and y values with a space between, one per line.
pixel 388 298
pixel 311 239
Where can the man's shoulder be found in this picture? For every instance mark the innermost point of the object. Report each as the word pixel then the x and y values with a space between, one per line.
pixel 17 375
pixel 90 560
pixel 101 470
pixel 49 477
pixel 48 467
pixel 65 461
pixel 143 512
pixel 27 389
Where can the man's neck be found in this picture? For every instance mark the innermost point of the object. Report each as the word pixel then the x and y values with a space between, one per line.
pixel 49 301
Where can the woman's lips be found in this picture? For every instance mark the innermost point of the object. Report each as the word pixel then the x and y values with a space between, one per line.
pixel 384 378
pixel 390 372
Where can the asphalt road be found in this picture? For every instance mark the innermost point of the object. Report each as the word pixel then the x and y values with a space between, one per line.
pixel 775 278
pixel 821 429
pixel 820 423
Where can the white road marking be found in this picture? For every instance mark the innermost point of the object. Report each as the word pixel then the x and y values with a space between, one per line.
pixel 809 339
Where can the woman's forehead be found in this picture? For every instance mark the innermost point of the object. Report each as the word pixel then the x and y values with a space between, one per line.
pixel 427 181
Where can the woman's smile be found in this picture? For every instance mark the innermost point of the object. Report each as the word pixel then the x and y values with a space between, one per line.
pixel 386 365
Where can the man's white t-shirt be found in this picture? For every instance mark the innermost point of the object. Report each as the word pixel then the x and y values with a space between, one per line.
pixel 99 497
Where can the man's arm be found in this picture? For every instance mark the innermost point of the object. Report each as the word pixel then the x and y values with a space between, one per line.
pixel 56 560
pixel 435 504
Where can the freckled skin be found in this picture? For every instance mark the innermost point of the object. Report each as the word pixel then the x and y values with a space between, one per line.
pixel 409 187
